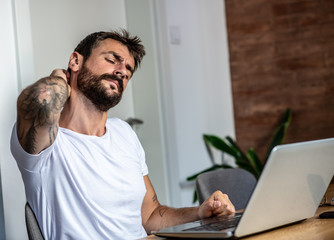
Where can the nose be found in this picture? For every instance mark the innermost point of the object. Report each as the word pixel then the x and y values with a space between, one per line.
pixel 119 74
pixel 120 71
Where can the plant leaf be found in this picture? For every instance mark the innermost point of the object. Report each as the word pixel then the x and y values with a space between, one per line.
pixel 242 161
pixel 255 162
pixel 247 166
pixel 242 158
pixel 219 144
pixel 280 132
pixel 195 196
pixel 208 149
pixel 235 146
pixel 214 167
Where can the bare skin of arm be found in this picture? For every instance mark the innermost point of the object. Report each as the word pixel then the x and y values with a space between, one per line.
pixel 156 216
pixel 38 111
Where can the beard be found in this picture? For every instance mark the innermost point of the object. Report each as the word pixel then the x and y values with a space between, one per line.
pixel 92 88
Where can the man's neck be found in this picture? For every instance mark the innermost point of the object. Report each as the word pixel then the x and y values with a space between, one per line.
pixel 80 115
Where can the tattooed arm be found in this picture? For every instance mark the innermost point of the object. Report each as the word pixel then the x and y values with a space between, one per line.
pixel 38 111
pixel 156 216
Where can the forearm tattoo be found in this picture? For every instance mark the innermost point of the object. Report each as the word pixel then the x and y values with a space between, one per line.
pixel 162 209
pixel 40 105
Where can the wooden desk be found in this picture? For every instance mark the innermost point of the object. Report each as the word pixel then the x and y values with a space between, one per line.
pixel 312 228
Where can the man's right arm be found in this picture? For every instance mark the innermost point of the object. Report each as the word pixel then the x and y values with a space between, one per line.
pixel 38 111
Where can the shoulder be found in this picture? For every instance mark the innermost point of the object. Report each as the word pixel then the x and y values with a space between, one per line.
pixel 121 129
pixel 116 123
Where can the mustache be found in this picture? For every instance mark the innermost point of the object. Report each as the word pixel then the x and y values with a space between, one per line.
pixel 113 77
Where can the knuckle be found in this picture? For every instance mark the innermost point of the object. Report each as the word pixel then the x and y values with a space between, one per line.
pixel 218 192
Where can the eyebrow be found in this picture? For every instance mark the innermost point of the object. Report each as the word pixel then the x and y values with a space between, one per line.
pixel 119 58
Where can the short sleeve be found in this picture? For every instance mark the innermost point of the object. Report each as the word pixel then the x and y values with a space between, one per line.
pixel 143 161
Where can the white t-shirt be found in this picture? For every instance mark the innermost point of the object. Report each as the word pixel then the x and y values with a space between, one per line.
pixel 86 187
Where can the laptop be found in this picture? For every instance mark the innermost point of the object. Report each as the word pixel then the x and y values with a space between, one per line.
pixel 290 189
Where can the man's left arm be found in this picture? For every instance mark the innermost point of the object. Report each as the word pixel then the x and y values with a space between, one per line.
pixel 156 216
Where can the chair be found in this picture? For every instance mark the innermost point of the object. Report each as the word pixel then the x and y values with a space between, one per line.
pixel 237 183
pixel 34 232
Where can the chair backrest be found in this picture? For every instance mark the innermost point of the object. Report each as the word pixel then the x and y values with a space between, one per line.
pixel 34 232
pixel 237 183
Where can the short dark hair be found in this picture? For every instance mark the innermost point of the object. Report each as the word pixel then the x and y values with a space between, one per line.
pixel 133 43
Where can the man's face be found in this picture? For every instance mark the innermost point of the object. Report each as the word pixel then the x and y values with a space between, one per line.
pixel 105 75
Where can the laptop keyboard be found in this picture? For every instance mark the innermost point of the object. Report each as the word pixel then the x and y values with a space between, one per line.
pixel 217 225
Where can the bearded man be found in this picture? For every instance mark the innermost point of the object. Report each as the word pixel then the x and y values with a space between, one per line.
pixel 85 175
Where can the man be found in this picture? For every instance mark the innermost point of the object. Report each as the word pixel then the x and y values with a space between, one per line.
pixel 85 175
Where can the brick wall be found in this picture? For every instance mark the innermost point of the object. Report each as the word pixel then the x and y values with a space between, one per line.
pixel 281 56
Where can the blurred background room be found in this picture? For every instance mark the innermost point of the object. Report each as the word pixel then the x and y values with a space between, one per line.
pixel 222 67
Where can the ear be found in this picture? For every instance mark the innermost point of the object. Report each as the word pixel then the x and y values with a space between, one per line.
pixel 75 62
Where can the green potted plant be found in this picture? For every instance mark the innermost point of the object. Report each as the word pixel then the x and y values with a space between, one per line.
pixel 248 161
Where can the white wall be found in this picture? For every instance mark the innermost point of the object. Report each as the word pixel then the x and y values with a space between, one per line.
pixel 140 21
pixel 12 187
pixel 195 85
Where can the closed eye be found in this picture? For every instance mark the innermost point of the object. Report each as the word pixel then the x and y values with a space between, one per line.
pixel 110 61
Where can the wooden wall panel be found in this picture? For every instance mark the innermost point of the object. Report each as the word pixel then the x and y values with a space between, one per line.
pixel 281 56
